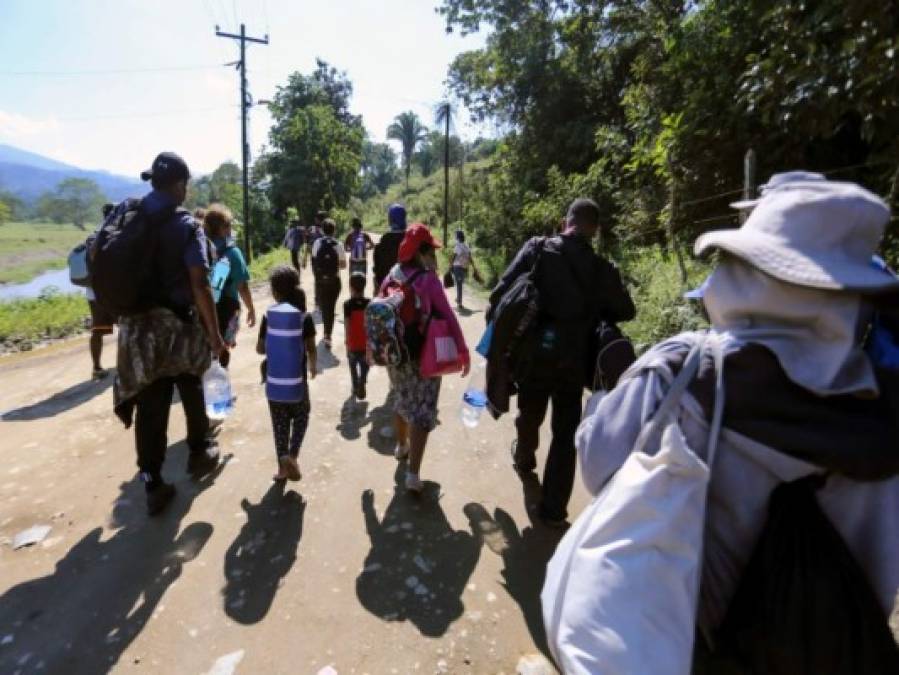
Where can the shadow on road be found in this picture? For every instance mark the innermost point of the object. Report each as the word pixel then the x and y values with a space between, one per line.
pixel 418 565
pixel 83 616
pixel 525 554
pixel 381 419
pixel 353 416
pixel 60 402
pixel 263 553
pixel 326 357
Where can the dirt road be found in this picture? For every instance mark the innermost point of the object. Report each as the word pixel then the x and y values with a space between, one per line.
pixel 341 569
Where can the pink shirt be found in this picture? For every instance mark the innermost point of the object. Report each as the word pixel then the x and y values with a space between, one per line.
pixel 433 299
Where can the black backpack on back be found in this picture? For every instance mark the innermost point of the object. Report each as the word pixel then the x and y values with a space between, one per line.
pixel 327 260
pixel 123 259
pixel 386 253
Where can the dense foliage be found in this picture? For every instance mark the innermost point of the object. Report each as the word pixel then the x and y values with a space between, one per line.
pixel 316 144
pixel 643 104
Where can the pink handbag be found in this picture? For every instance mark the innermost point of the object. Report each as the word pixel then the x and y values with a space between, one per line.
pixel 439 354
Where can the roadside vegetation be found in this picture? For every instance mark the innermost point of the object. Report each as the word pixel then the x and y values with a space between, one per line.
pixel 24 323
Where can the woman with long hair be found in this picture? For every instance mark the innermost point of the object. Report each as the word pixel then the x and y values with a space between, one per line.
pixel 217 222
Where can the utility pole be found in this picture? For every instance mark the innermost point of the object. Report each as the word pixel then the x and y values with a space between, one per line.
pixel 749 181
pixel 446 177
pixel 244 108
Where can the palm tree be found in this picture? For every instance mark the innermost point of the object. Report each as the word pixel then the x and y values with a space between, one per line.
pixel 443 115
pixel 409 131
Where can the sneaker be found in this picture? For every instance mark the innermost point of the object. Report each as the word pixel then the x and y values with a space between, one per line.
pixel 159 497
pixel 523 467
pixel 290 466
pixel 99 374
pixel 401 451
pixel 413 483
pixel 328 343
pixel 203 461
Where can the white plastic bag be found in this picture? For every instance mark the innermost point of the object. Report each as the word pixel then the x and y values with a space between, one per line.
pixel 621 590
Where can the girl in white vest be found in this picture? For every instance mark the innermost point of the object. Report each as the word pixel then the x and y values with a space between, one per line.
pixel 287 338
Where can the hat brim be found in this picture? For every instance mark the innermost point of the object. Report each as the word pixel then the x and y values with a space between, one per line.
pixel 745 204
pixel 776 258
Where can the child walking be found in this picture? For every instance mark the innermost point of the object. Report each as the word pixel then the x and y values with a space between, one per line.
pixel 354 322
pixel 287 338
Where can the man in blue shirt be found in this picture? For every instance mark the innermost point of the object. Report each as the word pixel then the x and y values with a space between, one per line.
pixel 169 345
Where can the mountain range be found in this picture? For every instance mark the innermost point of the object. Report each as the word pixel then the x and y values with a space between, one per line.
pixel 29 175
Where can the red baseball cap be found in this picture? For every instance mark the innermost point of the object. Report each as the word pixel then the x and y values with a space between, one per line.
pixel 416 235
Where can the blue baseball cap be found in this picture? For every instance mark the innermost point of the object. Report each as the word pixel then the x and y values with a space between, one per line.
pixel 396 217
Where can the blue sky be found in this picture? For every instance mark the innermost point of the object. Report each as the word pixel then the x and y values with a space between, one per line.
pixel 170 90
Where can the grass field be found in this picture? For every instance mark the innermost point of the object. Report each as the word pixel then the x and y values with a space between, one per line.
pixel 27 249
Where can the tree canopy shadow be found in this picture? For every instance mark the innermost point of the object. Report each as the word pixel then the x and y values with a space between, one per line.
pixel 60 402
pixel 263 553
pixel 83 616
pixel 525 554
pixel 418 566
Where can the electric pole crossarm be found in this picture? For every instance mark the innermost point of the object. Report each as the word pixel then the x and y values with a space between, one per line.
pixel 246 38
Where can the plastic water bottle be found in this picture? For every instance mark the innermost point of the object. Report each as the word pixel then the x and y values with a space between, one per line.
pixel 474 400
pixel 217 392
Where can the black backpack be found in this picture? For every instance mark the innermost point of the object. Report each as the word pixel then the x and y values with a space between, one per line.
pixel 804 606
pixel 515 315
pixel 123 257
pixel 327 260
pixel 386 253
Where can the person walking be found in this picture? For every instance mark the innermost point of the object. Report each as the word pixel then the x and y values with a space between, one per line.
pixel 287 339
pixel 102 321
pixel 387 248
pixel 578 289
pixel 354 330
pixel 168 344
pixel 217 223
pixel 293 242
pixel 313 234
pixel 789 302
pixel 416 397
pixel 328 258
pixel 357 244
pixel 462 260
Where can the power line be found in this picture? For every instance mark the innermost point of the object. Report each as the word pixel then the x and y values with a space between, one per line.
pixel 112 71
pixel 159 113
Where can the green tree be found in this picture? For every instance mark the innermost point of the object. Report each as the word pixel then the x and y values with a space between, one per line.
pixel 409 131
pixel 379 168
pixel 5 213
pixel 75 200
pixel 316 143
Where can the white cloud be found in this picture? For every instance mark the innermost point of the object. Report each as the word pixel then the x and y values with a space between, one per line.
pixel 14 126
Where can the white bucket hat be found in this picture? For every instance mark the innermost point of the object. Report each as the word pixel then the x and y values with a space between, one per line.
pixel 777 180
pixel 814 233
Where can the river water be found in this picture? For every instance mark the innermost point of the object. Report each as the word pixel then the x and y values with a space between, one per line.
pixel 33 288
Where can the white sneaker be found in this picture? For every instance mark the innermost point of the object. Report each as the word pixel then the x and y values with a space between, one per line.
pixel 401 451
pixel 413 483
